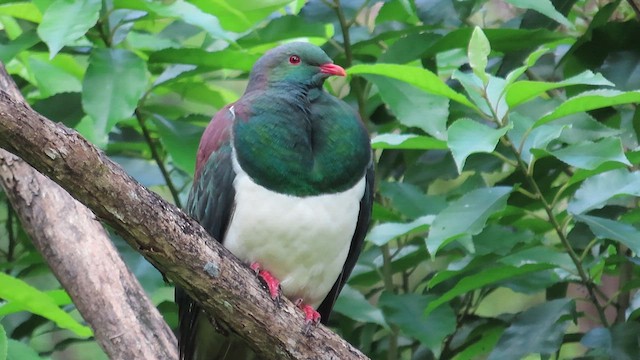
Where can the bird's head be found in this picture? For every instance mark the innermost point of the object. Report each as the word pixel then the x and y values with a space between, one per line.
pixel 295 64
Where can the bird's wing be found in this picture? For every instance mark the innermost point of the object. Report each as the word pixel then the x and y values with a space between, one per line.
pixel 211 204
pixel 354 250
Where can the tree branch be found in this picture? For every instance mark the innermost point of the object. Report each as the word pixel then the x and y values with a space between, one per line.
pixel 167 237
pixel 79 252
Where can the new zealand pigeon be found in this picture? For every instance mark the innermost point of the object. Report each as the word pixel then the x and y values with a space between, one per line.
pixel 284 180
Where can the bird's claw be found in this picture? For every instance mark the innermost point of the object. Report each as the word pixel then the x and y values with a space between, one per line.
pixel 311 316
pixel 268 281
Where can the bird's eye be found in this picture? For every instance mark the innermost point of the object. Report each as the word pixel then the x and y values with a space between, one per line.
pixel 294 59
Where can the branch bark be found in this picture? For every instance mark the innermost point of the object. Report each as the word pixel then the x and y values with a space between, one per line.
pixel 79 252
pixel 167 237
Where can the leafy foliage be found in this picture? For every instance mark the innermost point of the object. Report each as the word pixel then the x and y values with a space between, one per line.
pixel 505 132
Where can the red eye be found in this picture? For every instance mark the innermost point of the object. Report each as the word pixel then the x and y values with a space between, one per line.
pixel 294 59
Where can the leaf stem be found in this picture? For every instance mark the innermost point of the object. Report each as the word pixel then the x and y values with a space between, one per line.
pixel 356 83
pixel 559 229
pixel 156 157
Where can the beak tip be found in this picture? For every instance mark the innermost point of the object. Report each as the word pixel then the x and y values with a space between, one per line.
pixel 333 69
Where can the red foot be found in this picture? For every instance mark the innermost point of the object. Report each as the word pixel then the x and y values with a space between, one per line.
pixel 311 316
pixel 270 281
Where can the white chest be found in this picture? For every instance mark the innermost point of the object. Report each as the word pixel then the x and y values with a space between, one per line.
pixel 302 241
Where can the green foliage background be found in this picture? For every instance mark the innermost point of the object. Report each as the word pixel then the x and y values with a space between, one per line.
pixel 506 137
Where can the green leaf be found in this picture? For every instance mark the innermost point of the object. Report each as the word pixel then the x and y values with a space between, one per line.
pixel 67 20
pixel 181 140
pixel 613 230
pixel 522 91
pixel 418 77
pixel 589 155
pixel 114 82
pixel 488 340
pixel 23 42
pixel 468 137
pixel 52 77
pixel 618 342
pixel 595 191
pixel 20 351
pixel 539 255
pixel 352 304
pixel 538 138
pixel 410 200
pixel 591 100
pixel 478 53
pixel 545 7
pixel 287 27
pixel 179 9
pixel 3 343
pixel 240 16
pixel 407 142
pixel 529 62
pixel 407 312
pixel 22 10
pixel 466 216
pixel 538 330
pixel 483 278
pixel 383 233
pixel 37 302
pixel 414 107
pixel 225 59
pixel 59 297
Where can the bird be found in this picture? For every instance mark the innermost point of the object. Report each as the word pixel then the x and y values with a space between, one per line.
pixel 284 180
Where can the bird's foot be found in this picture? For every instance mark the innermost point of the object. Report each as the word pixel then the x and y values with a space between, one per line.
pixel 311 316
pixel 269 281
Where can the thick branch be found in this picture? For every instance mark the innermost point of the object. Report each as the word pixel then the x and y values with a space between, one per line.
pixel 167 237
pixel 81 255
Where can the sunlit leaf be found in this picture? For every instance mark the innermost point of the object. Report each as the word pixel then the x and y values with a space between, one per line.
pixel 240 16
pixel 414 107
pixel 179 9
pixel 407 141
pixel 537 330
pixel 418 77
pixel 53 78
pixel 37 302
pixel 22 10
pixel 610 229
pixel 522 91
pixel 56 32
pixel 385 232
pixel 590 100
pixel 286 27
pixel 466 216
pixel 478 52
pixel 468 137
pixel 589 155
pixel 595 191
pixel 114 82
pixel 59 297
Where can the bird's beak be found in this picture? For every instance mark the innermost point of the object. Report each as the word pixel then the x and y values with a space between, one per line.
pixel 332 69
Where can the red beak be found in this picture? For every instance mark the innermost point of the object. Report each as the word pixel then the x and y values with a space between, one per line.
pixel 332 69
